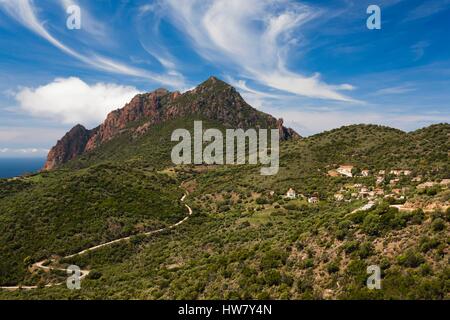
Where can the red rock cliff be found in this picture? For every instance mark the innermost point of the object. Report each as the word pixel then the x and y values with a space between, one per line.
pixel 213 99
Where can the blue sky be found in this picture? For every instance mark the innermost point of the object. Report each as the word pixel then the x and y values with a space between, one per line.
pixel 313 63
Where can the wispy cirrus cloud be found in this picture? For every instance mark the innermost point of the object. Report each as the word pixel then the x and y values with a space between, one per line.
pixel 92 26
pixel 24 12
pixel 427 9
pixel 255 37
pixel 418 49
pixel 395 90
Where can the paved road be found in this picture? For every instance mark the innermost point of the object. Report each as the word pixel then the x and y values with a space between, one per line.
pixel 85 273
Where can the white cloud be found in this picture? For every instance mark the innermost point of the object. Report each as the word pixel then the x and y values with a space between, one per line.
pixel 143 9
pixel 21 136
pixel 24 12
pixel 256 36
pixel 71 100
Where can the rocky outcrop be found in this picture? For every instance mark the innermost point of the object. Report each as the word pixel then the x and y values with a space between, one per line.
pixel 213 100
pixel 286 133
pixel 71 145
pixel 142 106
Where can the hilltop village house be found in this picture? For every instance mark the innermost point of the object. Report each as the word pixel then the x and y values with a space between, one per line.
pixel 380 180
pixel 399 172
pixel 290 194
pixel 313 200
pixel 377 191
pixel 358 191
pixel 345 170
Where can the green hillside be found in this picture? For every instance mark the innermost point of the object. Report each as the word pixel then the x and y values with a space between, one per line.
pixel 244 240
pixel 63 212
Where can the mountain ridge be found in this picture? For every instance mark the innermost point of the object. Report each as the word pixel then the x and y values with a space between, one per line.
pixel 213 99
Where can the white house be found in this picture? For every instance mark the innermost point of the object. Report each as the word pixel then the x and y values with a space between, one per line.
pixel 313 200
pixel 345 170
pixel 399 172
pixel 290 194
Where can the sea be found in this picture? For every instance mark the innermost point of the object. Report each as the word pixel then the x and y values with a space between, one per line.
pixel 14 167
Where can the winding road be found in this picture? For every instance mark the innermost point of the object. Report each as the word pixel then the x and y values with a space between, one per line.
pixel 85 273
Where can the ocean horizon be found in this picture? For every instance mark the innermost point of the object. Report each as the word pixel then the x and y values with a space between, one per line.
pixel 13 167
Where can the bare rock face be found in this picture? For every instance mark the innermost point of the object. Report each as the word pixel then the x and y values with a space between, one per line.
pixel 286 133
pixel 213 100
pixel 71 145
pixel 140 107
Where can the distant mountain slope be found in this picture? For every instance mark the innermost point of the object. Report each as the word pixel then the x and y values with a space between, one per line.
pixel 213 100
pixel 376 146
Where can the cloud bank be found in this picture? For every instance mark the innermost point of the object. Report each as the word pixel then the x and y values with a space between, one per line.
pixel 72 101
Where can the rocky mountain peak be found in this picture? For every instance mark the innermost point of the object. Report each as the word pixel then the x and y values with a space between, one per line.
pixel 213 99
pixel 71 145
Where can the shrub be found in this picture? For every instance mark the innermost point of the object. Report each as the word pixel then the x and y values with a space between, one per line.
pixel 332 267
pixel 291 206
pixel 343 229
pixel 438 224
pixel 410 259
pixel 304 285
pixel 94 275
pixel 425 269
pixel 262 200
pixel 426 244
pixel 372 224
pixel 273 259
pixel 308 263
pixel 272 277
pixel 417 217
pixel 365 250
pixel 351 246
